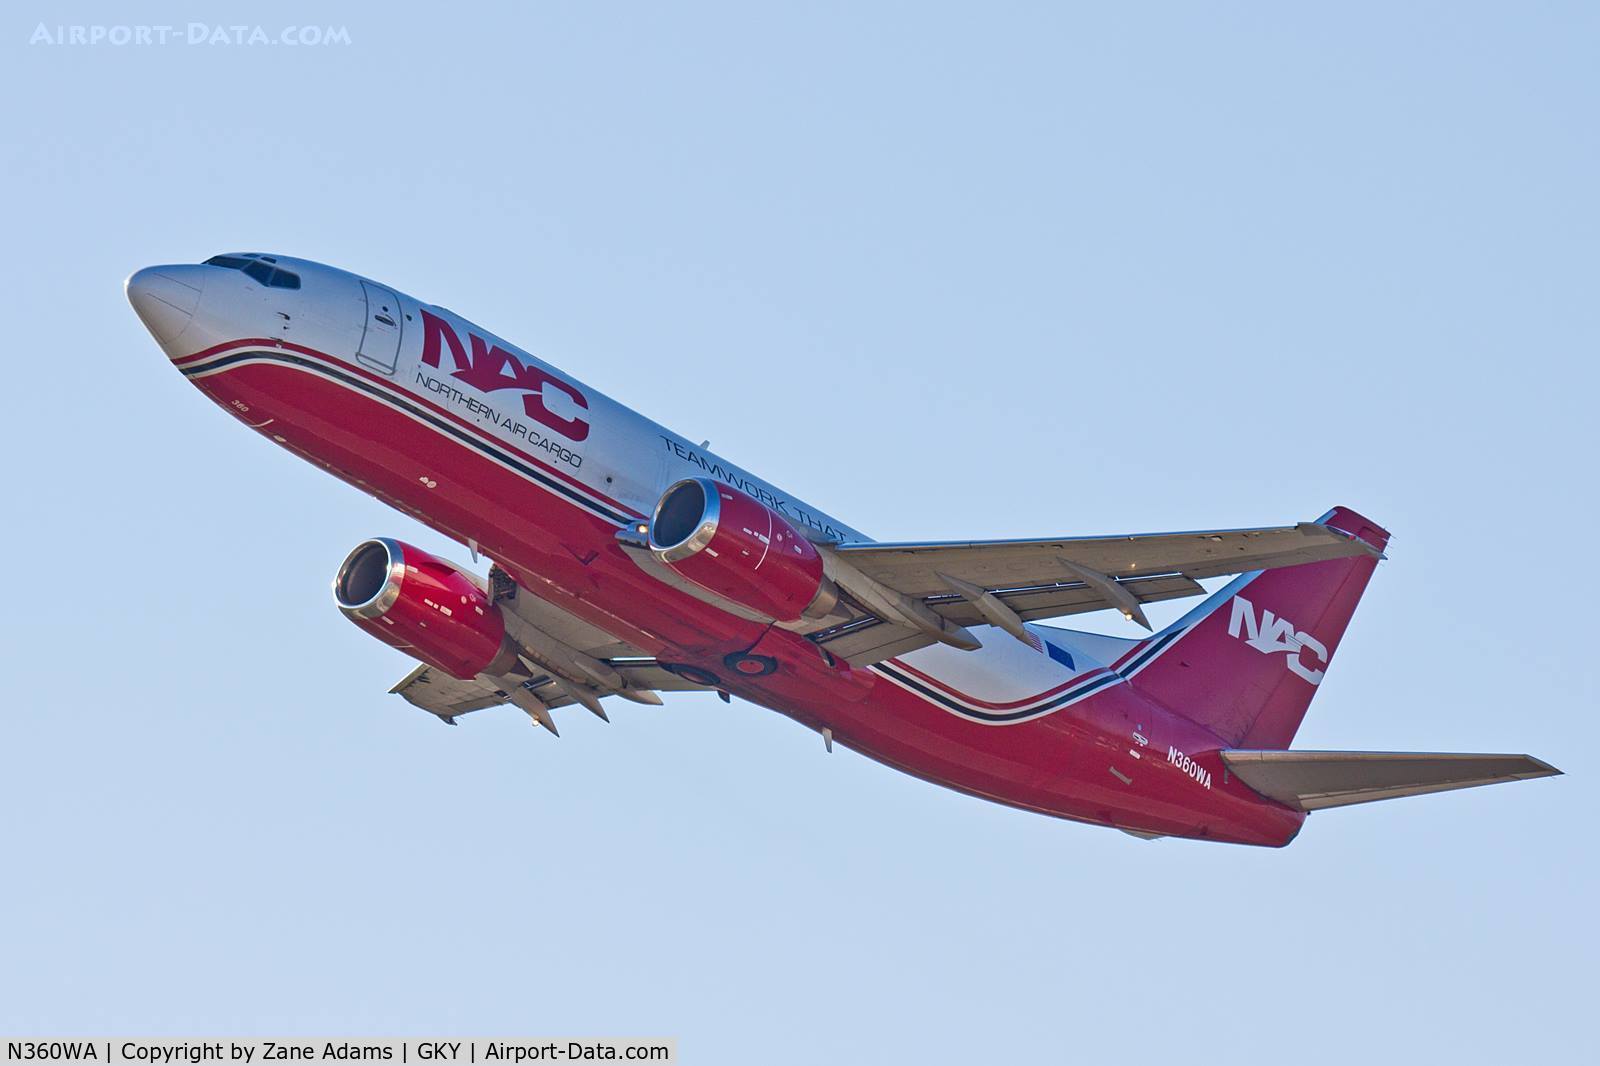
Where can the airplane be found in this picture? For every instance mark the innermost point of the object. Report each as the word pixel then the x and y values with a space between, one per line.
pixel 628 560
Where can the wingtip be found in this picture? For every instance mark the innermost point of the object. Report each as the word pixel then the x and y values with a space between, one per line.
pixel 1544 768
pixel 1358 527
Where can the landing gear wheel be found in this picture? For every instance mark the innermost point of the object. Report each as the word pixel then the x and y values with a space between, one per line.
pixel 750 665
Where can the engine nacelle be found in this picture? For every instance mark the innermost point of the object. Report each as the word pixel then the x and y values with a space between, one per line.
pixel 425 607
pixel 741 549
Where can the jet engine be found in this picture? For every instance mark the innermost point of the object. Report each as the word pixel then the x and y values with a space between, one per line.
pixel 424 606
pixel 739 548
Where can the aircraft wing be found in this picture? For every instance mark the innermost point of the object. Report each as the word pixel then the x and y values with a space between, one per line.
pixel 562 660
pixel 894 586
pixel 447 697
pixel 1315 780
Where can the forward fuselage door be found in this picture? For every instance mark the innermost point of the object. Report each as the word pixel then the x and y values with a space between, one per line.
pixel 380 343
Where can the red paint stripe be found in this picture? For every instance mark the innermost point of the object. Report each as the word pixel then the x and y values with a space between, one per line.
pixel 269 342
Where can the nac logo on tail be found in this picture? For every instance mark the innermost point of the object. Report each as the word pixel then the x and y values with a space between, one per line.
pixel 1271 634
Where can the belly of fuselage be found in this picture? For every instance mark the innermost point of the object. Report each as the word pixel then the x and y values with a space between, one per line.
pixel 556 536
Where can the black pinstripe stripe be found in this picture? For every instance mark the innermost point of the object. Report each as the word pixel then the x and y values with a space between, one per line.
pixel 400 401
pixel 1149 653
pixel 943 700
pixel 1069 696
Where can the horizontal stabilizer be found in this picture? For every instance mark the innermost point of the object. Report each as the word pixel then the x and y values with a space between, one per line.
pixel 1312 780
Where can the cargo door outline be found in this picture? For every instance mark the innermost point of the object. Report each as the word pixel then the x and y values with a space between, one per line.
pixel 380 338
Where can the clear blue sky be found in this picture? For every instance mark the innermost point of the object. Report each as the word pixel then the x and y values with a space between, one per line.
pixel 985 270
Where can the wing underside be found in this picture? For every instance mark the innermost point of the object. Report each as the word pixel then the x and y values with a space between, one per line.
pixel 448 697
pixel 562 660
pixel 891 589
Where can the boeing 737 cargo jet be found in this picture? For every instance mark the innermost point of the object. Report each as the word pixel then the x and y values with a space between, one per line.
pixel 629 560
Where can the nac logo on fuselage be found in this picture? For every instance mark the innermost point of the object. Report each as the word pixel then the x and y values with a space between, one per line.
pixel 491 368
pixel 1270 634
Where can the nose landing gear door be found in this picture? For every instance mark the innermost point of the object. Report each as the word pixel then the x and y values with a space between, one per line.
pixel 380 342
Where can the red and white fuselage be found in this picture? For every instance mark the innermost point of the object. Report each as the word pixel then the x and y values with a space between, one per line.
pixel 497 449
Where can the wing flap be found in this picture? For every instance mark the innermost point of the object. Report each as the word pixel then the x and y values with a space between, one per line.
pixel 870 640
pixel 440 694
pixel 1315 780
pixel 1053 601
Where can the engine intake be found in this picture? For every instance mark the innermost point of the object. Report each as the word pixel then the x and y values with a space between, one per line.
pixel 424 606
pixel 736 546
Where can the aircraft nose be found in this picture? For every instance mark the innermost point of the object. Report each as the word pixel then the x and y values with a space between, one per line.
pixel 165 298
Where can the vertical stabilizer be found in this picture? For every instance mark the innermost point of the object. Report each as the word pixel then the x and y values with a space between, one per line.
pixel 1248 661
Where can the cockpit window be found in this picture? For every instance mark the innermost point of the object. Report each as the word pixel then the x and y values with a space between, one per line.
pixel 262 272
pixel 260 268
